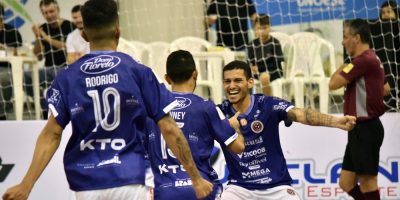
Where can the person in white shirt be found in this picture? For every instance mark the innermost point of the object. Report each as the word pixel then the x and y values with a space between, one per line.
pixel 76 45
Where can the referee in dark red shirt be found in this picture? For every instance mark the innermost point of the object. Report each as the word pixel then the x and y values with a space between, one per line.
pixel 365 87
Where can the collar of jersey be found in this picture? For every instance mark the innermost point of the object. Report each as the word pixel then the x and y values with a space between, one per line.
pixel 250 107
pixel 102 52
pixel 182 92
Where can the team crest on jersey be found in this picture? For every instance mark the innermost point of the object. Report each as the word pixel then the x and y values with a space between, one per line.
pixel 100 64
pixel 257 126
pixel 182 103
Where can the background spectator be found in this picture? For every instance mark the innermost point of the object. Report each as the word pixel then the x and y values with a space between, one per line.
pixel 231 18
pixel 50 44
pixel 265 54
pixel 10 38
pixel 76 45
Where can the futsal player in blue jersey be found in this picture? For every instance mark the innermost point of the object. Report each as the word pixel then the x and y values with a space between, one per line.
pixel 202 122
pixel 107 96
pixel 260 172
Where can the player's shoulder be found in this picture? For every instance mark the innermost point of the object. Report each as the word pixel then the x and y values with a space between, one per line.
pixel 225 106
pixel 267 102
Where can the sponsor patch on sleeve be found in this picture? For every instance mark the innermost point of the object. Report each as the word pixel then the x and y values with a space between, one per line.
pixel 348 68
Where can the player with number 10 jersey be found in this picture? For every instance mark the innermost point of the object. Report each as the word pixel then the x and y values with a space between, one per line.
pixel 106 146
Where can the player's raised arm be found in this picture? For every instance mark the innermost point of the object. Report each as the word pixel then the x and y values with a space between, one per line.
pixel 177 142
pixel 314 118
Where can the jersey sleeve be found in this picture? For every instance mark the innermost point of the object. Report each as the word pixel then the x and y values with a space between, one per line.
pixel 56 102
pixel 281 108
pixel 353 71
pixel 221 130
pixel 157 99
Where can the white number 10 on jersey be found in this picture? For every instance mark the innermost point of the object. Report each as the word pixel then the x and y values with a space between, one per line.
pixel 116 108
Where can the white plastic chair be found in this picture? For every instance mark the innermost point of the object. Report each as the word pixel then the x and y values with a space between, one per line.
pixel 209 66
pixel 143 51
pixel 287 45
pixel 205 66
pixel 192 44
pixel 127 47
pixel 308 68
pixel 158 53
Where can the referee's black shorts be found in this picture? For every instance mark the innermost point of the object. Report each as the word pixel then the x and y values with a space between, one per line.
pixel 363 145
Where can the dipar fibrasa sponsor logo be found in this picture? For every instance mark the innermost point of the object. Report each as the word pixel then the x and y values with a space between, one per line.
pixel 320 5
pixel 100 64
pixel 311 183
pixel 5 170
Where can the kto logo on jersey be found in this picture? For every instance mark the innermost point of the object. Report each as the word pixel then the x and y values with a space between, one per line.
pixel 103 144
pixel 257 126
pixel 100 64
pixel 182 103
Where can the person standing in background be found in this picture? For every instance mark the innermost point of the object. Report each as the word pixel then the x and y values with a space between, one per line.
pixel 76 45
pixel 50 45
pixel 265 55
pixel 365 88
pixel 231 19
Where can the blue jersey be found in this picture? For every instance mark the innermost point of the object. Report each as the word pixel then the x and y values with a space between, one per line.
pixel 107 96
pixel 202 122
pixel 262 164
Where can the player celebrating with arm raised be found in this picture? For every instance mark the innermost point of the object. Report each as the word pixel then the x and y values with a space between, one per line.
pixel 202 122
pixel 107 96
pixel 261 171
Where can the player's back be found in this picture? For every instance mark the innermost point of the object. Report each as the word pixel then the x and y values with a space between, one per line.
pixel 102 95
pixel 201 124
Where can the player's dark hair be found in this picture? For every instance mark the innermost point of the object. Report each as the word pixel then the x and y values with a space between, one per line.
pixel 47 2
pixel 76 8
pixel 361 27
pixel 237 64
pixel 262 19
pixel 101 17
pixel 180 66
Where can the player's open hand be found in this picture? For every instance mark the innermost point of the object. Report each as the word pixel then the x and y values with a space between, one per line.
pixel 18 192
pixel 203 188
pixel 346 122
